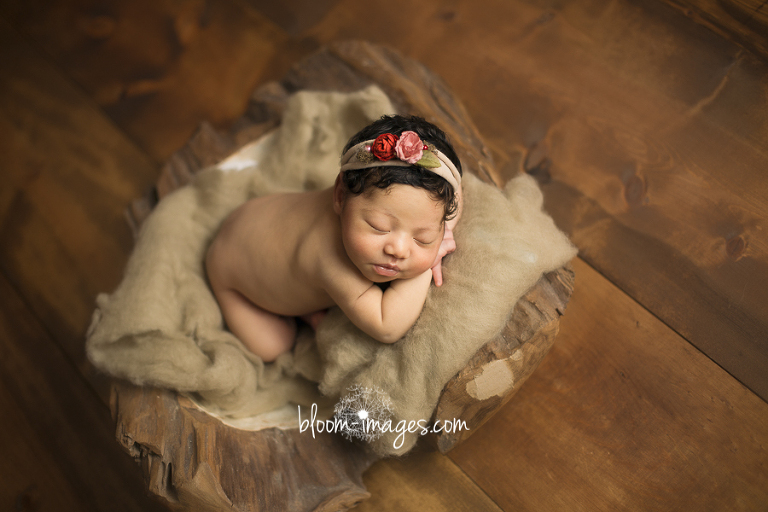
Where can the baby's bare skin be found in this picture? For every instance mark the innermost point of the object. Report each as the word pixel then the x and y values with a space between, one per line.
pixel 270 249
pixel 288 255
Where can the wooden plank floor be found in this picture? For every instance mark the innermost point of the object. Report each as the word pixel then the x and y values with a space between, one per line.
pixel 648 132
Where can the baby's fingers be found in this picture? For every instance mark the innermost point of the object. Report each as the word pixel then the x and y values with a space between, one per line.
pixel 437 273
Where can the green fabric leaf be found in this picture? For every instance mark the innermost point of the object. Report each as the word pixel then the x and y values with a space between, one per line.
pixel 429 161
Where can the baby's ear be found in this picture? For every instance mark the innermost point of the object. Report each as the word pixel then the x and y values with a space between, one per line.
pixel 338 195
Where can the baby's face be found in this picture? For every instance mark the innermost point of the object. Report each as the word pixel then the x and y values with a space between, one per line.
pixel 393 233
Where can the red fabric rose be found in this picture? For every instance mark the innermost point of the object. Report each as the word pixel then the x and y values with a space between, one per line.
pixel 383 147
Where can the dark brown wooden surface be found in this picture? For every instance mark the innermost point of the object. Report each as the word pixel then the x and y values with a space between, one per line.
pixel 147 63
pixel 623 415
pixel 647 128
pixel 743 21
pixel 66 170
pixel 423 480
pixel 56 435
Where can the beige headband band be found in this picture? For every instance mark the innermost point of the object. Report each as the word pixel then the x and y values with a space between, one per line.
pixel 361 156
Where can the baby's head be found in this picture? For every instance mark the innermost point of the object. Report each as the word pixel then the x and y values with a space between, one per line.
pixel 384 173
pixel 398 184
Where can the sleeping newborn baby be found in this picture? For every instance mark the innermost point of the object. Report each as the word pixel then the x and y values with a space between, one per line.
pixel 370 244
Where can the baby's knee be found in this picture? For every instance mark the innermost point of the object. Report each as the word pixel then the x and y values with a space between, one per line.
pixel 278 342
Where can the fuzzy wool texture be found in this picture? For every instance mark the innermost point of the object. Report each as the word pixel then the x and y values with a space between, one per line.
pixel 163 327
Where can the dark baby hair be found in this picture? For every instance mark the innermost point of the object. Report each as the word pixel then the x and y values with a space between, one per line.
pixel 383 176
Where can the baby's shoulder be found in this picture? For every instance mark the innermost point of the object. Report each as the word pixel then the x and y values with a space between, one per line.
pixel 340 277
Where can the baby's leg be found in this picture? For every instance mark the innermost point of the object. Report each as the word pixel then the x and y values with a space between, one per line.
pixel 265 334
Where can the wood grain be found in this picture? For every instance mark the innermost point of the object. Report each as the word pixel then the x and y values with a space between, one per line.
pixel 157 68
pixel 422 481
pixel 55 414
pixel 743 21
pixel 219 467
pixel 32 478
pixel 623 414
pixel 648 131
pixel 296 16
pixel 68 174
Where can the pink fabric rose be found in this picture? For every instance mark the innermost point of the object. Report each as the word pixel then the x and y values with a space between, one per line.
pixel 409 147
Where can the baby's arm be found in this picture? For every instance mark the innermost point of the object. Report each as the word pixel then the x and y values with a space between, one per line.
pixel 387 315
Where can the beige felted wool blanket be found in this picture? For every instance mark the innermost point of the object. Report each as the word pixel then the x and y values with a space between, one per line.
pixel 162 325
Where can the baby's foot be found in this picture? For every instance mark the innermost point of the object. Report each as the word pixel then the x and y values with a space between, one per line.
pixel 314 319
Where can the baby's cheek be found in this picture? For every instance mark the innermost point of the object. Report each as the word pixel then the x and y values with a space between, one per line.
pixel 360 246
pixel 427 258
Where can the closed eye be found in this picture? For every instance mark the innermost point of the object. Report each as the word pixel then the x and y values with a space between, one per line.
pixel 423 242
pixel 378 230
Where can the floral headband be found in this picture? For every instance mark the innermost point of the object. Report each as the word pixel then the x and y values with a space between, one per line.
pixel 405 150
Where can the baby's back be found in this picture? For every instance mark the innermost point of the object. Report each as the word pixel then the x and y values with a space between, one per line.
pixel 269 251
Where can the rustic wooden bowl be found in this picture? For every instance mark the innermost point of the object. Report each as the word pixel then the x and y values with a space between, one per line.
pixel 192 460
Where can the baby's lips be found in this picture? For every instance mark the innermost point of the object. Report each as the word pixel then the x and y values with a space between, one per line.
pixel 386 271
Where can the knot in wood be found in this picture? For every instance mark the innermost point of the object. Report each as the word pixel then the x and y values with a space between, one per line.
pixel 735 247
pixel 634 191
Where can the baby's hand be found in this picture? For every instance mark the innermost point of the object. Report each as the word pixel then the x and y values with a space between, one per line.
pixel 447 246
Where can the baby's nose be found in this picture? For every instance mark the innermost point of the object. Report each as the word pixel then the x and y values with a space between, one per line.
pixel 396 247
